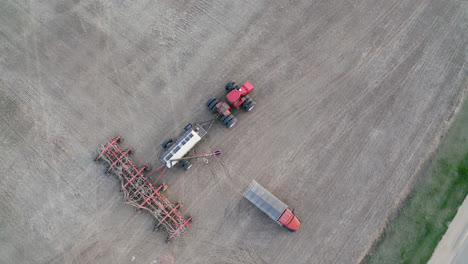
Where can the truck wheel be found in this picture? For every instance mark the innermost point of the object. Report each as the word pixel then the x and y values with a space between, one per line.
pixel 167 143
pixel 229 86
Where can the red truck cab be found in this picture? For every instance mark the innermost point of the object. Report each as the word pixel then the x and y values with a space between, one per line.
pixel 272 206
pixel 289 220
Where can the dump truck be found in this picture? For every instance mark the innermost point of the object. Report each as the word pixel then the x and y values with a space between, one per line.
pixel 175 151
pixel 272 206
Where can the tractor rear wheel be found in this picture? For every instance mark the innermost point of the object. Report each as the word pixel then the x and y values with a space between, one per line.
pixel 227 119
pixel 210 101
pixel 231 123
pixel 222 118
pixel 212 105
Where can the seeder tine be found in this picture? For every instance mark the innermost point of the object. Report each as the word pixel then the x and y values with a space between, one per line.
pixel 139 192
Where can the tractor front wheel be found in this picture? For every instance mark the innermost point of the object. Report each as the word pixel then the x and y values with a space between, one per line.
pixel 248 104
pixel 230 86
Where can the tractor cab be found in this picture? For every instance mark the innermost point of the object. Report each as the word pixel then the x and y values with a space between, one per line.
pixel 238 95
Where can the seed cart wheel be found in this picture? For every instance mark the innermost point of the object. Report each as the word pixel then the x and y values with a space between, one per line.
pixel 168 240
pixel 148 168
pixel 190 219
pixel 187 165
pixel 231 123
pixel 108 174
pixel 129 152
pixel 155 228
pixel 120 140
pixel 167 143
pixel 97 160
pixel 187 127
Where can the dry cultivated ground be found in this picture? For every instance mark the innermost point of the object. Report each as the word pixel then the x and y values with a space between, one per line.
pixel 351 96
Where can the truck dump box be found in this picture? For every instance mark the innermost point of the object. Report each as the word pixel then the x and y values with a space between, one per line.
pixel 265 201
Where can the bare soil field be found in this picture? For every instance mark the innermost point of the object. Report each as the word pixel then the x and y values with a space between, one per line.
pixel 352 96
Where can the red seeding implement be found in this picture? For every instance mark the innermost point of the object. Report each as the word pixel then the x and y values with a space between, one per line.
pixel 138 190
pixel 237 97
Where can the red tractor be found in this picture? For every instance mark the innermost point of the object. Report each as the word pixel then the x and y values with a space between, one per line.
pixel 236 97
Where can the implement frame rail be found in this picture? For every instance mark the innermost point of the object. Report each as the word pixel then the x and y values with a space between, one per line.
pixel 138 190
